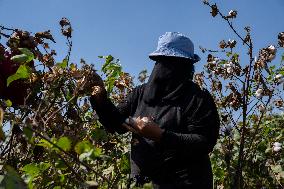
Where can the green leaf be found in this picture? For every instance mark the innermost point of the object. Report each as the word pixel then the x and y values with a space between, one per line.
pixel 276 168
pixel 12 179
pixel 28 133
pixel 82 147
pixel 1 178
pixel 282 58
pixel 124 164
pixel 27 52
pixel 62 178
pixel 2 134
pixel 60 165
pixel 23 72
pixel 99 135
pixel 96 152
pixel 108 60
pixel 222 62
pixel 43 166
pixel 64 143
pixel 62 64
pixel 86 156
pixel 31 169
pixel 45 143
pixel 8 103
pixel 72 66
pixel 228 54
pixel 34 170
pixel 21 58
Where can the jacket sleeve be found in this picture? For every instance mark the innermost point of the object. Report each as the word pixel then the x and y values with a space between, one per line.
pixel 111 116
pixel 202 128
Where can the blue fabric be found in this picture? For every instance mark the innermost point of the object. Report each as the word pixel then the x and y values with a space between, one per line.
pixel 175 44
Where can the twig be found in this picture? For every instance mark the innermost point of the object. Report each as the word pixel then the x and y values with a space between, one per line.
pixel 5 28
pixel 257 127
pixel 69 44
pixel 71 169
pixel 230 24
pixel 70 155
pixel 5 35
pixel 71 99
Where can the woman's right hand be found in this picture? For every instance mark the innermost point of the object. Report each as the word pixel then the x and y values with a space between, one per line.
pixel 99 94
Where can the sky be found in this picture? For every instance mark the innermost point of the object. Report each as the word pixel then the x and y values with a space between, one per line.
pixel 129 29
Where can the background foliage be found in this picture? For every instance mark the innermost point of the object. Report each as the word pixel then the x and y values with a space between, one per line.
pixel 51 138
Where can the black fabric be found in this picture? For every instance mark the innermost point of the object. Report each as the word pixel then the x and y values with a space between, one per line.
pixel 166 81
pixel 191 124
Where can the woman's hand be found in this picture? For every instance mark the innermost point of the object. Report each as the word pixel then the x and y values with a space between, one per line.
pixel 146 127
pixel 99 93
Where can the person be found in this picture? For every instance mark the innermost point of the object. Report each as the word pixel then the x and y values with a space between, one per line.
pixel 174 123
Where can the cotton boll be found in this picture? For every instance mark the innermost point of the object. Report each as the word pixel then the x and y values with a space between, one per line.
pixel 277 144
pixel 230 70
pixel 261 108
pixel 276 149
pixel 145 119
pixel 259 93
pixel 279 76
pixel 272 49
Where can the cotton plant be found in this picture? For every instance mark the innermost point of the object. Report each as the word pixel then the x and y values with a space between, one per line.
pixel 249 96
pixel 52 137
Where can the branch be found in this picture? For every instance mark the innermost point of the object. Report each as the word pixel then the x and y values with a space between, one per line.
pixel 5 28
pixel 58 110
pixel 71 169
pixel 257 127
pixel 70 155
pixel 229 23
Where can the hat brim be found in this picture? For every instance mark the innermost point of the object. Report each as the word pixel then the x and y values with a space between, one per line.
pixel 162 53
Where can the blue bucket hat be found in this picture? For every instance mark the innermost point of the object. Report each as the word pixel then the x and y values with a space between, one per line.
pixel 175 45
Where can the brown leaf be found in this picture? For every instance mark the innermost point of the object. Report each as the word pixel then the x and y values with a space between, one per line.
pixel 214 10
pixel 46 45
pixel 281 39
pixel 222 44
pixel 64 22
pixel 45 34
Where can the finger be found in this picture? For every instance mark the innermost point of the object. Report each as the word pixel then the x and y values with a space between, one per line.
pixel 139 122
pixel 136 123
pixel 131 121
pixel 138 119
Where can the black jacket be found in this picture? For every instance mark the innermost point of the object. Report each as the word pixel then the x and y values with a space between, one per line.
pixel 191 124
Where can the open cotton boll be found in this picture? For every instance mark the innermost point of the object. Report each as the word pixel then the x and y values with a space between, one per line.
pixel 259 93
pixel 277 144
pixel 279 76
pixel 146 119
pixel 261 108
pixel 276 149
pixel 272 49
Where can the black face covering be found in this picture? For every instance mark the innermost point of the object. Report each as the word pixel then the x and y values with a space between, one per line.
pixel 167 81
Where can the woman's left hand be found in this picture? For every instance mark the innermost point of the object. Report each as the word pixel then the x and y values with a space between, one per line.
pixel 146 127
